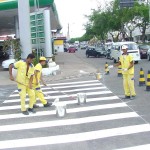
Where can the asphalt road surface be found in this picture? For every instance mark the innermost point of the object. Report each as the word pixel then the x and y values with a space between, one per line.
pixel 105 122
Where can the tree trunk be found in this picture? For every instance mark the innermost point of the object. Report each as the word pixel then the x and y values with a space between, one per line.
pixel 143 33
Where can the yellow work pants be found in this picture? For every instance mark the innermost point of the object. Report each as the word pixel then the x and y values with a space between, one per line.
pixel 22 92
pixel 39 94
pixel 128 84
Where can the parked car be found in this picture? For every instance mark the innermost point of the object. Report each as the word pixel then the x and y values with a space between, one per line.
pixel 148 54
pixel 71 49
pixel 108 47
pixel 91 51
pixel 132 50
pixel 3 55
pixel 101 50
pixel 6 63
pixel 143 51
pixel 65 49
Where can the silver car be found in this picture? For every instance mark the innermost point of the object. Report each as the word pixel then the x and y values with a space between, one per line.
pixel 148 54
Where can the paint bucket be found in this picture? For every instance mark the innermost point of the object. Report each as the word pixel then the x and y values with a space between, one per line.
pixel 98 76
pixel 60 109
pixel 81 98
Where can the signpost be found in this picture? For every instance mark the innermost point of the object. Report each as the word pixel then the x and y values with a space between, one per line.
pixel 126 3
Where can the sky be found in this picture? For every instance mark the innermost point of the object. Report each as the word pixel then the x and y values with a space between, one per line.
pixel 73 12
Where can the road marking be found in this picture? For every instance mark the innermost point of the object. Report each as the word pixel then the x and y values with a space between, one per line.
pixel 140 147
pixel 67 122
pixel 79 82
pixel 71 110
pixel 63 96
pixel 73 86
pixel 66 102
pixel 76 90
pixel 77 137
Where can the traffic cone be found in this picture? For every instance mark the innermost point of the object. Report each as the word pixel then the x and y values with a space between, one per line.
pixel 119 71
pixel 141 79
pixel 106 69
pixel 148 82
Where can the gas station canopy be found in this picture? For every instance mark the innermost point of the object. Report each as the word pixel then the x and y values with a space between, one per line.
pixel 9 10
pixel 13 4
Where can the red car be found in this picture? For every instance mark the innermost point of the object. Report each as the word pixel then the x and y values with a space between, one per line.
pixel 71 49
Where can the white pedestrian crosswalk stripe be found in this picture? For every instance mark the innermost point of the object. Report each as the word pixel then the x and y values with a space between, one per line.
pixel 103 116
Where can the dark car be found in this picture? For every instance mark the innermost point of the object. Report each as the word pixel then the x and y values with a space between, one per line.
pixel 71 49
pixel 3 55
pixel 91 51
pixel 143 50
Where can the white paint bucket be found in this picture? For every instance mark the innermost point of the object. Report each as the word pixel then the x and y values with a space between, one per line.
pixel 81 98
pixel 60 109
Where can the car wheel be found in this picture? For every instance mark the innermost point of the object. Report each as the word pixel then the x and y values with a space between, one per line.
pixel 148 57
pixel 115 61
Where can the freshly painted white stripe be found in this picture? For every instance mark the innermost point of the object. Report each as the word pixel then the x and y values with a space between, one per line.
pixel 62 96
pixel 71 110
pixel 77 137
pixel 67 102
pixel 66 122
pixel 50 92
pixel 140 147
pixel 73 86
pixel 85 89
pixel 67 91
pixel 68 83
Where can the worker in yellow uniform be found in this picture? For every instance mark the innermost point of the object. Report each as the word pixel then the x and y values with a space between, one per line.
pixel 24 79
pixel 127 64
pixel 36 83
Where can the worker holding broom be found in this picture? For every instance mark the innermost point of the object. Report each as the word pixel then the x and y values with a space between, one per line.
pixel 36 83
pixel 24 79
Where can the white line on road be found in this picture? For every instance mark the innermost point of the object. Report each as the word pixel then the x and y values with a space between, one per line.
pixel 79 82
pixel 76 121
pixel 77 137
pixel 63 96
pixel 71 110
pixel 67 91
pixel 66 102
pixel 73 86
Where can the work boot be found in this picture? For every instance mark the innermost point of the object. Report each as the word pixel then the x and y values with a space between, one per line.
pixel 31 110
pixel 36 106
pixel 25 112
pixel 48 104
pixel 126 97
pixel 133 97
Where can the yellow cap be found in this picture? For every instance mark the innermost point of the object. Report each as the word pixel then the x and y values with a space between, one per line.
pixel 42 58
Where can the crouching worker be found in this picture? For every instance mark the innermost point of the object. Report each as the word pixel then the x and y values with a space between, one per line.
pixel 36 83
pixel 24 79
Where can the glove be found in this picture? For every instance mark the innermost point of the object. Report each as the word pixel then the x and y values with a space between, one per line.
pixel 125 70
pixel 110 67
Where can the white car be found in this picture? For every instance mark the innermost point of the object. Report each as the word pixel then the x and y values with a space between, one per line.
pixel 6 63
pixel 148 54
pixel 132 50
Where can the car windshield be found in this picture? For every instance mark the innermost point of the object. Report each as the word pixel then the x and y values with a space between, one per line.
pixel 132 46
pixel 145 46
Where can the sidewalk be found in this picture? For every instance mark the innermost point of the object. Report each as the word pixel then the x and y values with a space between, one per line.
pixel 71 66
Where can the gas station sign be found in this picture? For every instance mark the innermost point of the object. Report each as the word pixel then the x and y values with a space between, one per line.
pixel 37 28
